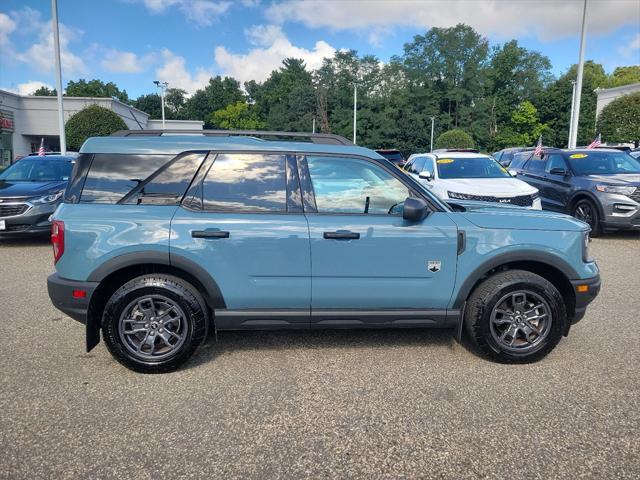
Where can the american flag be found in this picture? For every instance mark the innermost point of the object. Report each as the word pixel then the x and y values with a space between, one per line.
pixel 597 142
pixel 41 149
pixel 538 149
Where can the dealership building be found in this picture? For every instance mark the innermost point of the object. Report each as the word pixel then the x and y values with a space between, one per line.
pixel 25 120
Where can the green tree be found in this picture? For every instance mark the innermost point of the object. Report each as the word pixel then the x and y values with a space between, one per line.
pixel 174 104
pixel 95 88
pixel 91 121
pixel 454 139
pixel 45 92
pixel 625 76
pixel 150 104
pixel 523 128
pixel 218 93
pixel 238 116
pixel 619 121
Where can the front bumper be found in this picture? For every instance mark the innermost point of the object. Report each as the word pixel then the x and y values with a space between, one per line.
pixel 584 297
pixel 61 293
pixel 35 221
pixel 620 211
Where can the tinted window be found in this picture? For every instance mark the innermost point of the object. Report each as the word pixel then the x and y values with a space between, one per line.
pixel 428 165
pixel 519 160
pixel 349 185
pixel 417 165
pixel 246 183
pixel 536 164
pixel 472 167
pixel 112 176
pixel 603 163
pixel 38 170
pixel 555 160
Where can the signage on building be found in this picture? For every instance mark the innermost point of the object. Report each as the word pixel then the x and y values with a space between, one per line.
pixel 6 120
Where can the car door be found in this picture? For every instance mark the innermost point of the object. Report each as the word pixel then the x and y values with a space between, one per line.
pixel 369 265
pixel 533 173
pixel 556 190
pixel 242 221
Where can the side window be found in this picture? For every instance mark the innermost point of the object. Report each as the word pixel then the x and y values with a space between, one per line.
pixel 417 165
pixel 428 166
pixel 112 176
pixel 555 161
pixel 242 182
pixel 519 160
pixel 350 185
pixel 536 164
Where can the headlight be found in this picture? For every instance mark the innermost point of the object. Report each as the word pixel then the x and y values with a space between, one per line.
pixel 50 198
pixel 459 196
pixel 586 258
pixel 616 189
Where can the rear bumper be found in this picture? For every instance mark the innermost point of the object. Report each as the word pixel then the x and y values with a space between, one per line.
pixel 583 299
pixel 61 295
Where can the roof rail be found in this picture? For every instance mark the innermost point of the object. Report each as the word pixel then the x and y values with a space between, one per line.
pixel 457 150
pixel 321 138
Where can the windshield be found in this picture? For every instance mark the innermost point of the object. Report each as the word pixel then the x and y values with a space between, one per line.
pixel 37 170
pixel 473 167
pixel 603 163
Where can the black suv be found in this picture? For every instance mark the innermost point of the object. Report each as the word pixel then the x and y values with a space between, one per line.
pixel 505 156
pixel 598 186
pixel 394 156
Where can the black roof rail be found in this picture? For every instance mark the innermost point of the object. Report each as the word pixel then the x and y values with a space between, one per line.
pixel 457 150
pixel 320 138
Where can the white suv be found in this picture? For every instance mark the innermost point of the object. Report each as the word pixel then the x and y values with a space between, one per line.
pixel 468 175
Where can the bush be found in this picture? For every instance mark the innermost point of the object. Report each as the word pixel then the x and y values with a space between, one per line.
pixel 454 139
pixel 620 120
pixel 91 121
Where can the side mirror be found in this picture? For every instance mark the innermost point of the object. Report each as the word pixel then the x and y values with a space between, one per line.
pixel 513 173
pixel 558 171
pixel 415 209
pixel 425 176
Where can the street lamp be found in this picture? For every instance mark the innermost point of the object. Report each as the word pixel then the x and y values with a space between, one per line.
pixel 432 121
pixel 162 86
pixel 573 101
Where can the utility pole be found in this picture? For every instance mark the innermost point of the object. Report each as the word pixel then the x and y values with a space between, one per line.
pixel 56 53
pixel 432 122
pixel 575 118
pixel 355 109
pixel 313 128
pixel 161 86
pixel 573 100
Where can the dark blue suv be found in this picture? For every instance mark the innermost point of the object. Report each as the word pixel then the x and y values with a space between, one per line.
pixel 163 237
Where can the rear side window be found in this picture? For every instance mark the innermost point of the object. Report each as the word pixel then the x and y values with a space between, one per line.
pixel 536 164
pixel 246 183
pixel 519 160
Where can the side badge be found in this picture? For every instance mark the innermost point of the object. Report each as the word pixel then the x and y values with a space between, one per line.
pixel 434 265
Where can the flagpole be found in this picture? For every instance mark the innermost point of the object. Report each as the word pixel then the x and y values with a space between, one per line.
pixel 576 104
pixel 56 46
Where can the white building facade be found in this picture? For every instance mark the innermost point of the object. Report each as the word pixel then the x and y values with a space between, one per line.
pixel 608 95
pixel 25 120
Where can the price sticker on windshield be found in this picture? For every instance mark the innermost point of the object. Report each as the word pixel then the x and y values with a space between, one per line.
pixel 445 160
pixel 578 155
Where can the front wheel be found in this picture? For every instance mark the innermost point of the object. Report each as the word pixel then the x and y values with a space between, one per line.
pixel 515 317
pixel 154 323
pixel 586 211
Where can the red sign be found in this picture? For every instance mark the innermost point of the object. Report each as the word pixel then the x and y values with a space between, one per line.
pixel 6 123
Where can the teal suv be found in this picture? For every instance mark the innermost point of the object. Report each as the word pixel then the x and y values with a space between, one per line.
pixel 165 236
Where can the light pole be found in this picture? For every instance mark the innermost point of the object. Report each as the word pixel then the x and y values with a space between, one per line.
pixel 355 109
pixel 575 118
pixel 161 86
pixel 56 46
pixel 432 122
pixel 573 99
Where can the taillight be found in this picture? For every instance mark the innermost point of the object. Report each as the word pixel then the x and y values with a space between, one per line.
pixel 57 239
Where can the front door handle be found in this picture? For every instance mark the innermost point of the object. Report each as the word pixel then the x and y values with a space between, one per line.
pixel 341 235
pixel 209 234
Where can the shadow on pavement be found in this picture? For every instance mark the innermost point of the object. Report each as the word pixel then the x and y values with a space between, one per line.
pixel 21 242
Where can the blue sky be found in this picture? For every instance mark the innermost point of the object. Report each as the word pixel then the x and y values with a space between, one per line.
pixel 184 42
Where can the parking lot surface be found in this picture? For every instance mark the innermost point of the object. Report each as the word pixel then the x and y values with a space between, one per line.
pixel 333 404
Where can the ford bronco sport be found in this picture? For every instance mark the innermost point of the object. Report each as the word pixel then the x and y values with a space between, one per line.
pixel 164 236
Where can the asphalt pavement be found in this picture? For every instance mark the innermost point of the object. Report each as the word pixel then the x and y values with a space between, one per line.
pixel 332 404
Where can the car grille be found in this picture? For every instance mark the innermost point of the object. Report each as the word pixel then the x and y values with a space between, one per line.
pixel 521 200
pixel 635 196
pixel 13 210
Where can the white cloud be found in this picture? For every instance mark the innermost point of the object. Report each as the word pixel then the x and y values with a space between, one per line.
pixel 31 86
pixel 202 12
pixel 118 61
pixel 546 19
pixel 174 71
pixel 272 46
pixel 7 26
pixel 632 49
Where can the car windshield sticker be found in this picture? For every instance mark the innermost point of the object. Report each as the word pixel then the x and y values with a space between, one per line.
pixel 579 155
pixel 445 160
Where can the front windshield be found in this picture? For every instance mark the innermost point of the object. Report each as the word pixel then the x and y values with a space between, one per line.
pixel 37 170
pixel 603 163
pixel 470 167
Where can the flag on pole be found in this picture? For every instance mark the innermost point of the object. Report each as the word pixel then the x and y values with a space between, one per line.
pixel 538 149
pixel 41 149
pixel 597 142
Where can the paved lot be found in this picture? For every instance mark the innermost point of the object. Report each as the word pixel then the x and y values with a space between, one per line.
pixel 323 404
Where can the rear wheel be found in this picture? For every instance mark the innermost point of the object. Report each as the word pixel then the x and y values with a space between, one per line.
pixel 586 211
pixel 154 323
pixel 515 317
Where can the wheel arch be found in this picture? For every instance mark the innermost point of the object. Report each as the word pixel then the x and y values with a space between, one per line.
pixel 585 195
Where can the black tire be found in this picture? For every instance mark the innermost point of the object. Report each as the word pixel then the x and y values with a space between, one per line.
pixel 482 332
pixel 588 212
pixel 190 314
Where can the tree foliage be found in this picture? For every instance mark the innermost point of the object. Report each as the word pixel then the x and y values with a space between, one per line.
pixel 523 128
pixel 95 88
pixel 454 139
pixel 91 121
pixel 44 91
pixel 218 93
pixel 619 121
pixel 239 116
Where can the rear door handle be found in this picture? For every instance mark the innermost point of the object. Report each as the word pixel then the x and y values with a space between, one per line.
pixel 209 234
pixel 341 235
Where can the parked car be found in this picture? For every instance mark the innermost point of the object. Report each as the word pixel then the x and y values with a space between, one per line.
pixel 394 156
pixel 635 154
pixel 598 186
pixel 505 155
pixel 455 175
pixel 30 190
pixel 162 238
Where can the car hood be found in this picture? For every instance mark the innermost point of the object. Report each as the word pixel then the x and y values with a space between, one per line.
pixel 494 215
pixel 507 187
pixel 28 189
pixel 630 179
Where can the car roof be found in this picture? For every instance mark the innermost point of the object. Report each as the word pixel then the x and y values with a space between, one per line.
pixel 175 144
pixel 454 155
pixel 590 150
pixel 67 158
